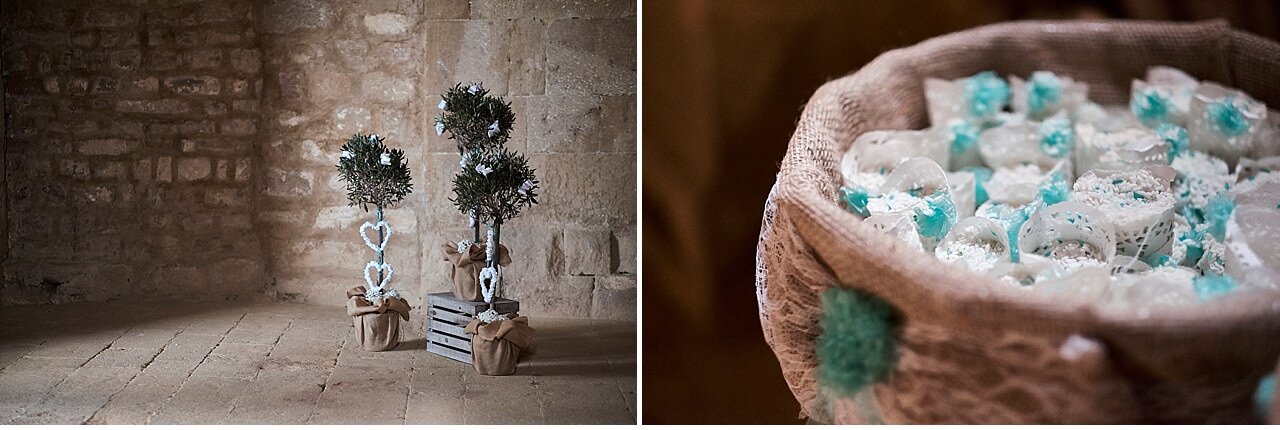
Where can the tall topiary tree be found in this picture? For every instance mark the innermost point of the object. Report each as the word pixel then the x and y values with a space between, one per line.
pixel 480 124
pixel 376 176
pixel 493 184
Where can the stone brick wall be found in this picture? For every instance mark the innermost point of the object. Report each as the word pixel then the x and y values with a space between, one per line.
pixel 172 146
pixel 334 69
pixel 131 142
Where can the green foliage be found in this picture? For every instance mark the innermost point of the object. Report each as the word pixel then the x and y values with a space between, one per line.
pixel 856 347
pixel 499 195
pixel 369 181
pixel 481 124
pixel 468 116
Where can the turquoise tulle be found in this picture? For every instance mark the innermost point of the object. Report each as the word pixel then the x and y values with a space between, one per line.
pixel 855 200
pixel 1150 107
pixel 856 347
pixel 1210 286
pixel 1043 91
pixel 1226 118
pixel 937 216
pixel 1176 137
pixel 985 93
pixel 1019 218
pixel 964 136
pixel 1164 260
pixel 1262 398
pixel 1054 190
pixel 1216 213
pixel 980 177
pixel 1057 137
pixel 1194 240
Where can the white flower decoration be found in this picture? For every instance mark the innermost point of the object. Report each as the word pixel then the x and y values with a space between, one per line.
pixel 386 159
pixel 490 316
pixel 439 128
pixel 493 128
pixel 346 154
pixel 375 137
pixel 464 245
pixel 525 187
pixel 466 158
pixel 443 105
pixel 483 169
pixel 475 88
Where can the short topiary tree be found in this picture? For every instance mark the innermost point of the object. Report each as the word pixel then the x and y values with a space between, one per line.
pixel 379 177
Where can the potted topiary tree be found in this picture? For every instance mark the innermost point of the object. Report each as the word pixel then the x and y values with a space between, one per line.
pixel 499 186
pixel 480 124
pixel 379 177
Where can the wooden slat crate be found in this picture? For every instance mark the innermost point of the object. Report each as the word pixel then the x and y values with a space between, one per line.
pixel 447 316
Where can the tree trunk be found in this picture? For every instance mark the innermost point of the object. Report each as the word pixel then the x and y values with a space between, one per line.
pixel 380 250
pixel 493 262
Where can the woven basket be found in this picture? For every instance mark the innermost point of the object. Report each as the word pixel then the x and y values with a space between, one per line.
pixel 970 350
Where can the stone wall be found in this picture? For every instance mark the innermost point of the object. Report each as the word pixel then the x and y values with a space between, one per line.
pixel 131 146
pixel 239 137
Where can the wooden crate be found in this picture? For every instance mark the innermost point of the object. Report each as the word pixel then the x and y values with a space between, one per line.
pixel 447 316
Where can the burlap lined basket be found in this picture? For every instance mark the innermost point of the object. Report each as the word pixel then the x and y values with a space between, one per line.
pixel 465 267
pixel 496 346
pixel 972 351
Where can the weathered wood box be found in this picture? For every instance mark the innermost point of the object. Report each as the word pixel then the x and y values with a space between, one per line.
pixel 447 316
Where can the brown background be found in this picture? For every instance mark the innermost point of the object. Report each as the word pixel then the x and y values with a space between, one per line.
pixel 724 84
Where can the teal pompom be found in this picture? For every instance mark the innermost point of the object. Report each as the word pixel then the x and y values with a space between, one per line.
pixel 1054 190
pixel 1150 106
pixel 1176 137
pixel 1044 90
pixel 980 177
pixel 856 347
pixel 937 216
pixel 963 136
pixel 1263 397
pixel 1057 137
pixel 1018 218
pixel 1226 118
pixel 1164 260
pixel 1216 213
pixel 855 200
pixel 1194 240
pixel 986 94
pixel 1210 286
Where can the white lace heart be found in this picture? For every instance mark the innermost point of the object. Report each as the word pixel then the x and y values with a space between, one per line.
pixel 385 238
pixel 385 278
pixel 489 280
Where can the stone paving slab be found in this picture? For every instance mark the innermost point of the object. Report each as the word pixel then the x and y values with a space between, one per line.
pixel 140 399
pixel 24 387
pixel 143 338
pixel 200 400
pixel 275 363
pixel 78 396
pixel 124 358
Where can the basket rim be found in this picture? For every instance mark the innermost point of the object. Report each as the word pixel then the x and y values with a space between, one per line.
pixel 968 298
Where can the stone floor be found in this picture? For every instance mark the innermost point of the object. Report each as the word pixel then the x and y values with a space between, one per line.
pixel 292 364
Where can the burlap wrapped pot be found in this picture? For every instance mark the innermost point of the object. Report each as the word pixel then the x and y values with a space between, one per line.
pixel 464 268
pixel 378 326
pixel 496 346
pixel 972 351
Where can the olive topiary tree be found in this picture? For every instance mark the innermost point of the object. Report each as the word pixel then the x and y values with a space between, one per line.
pixel 494 184
pixel 376 176
pixel 480 124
